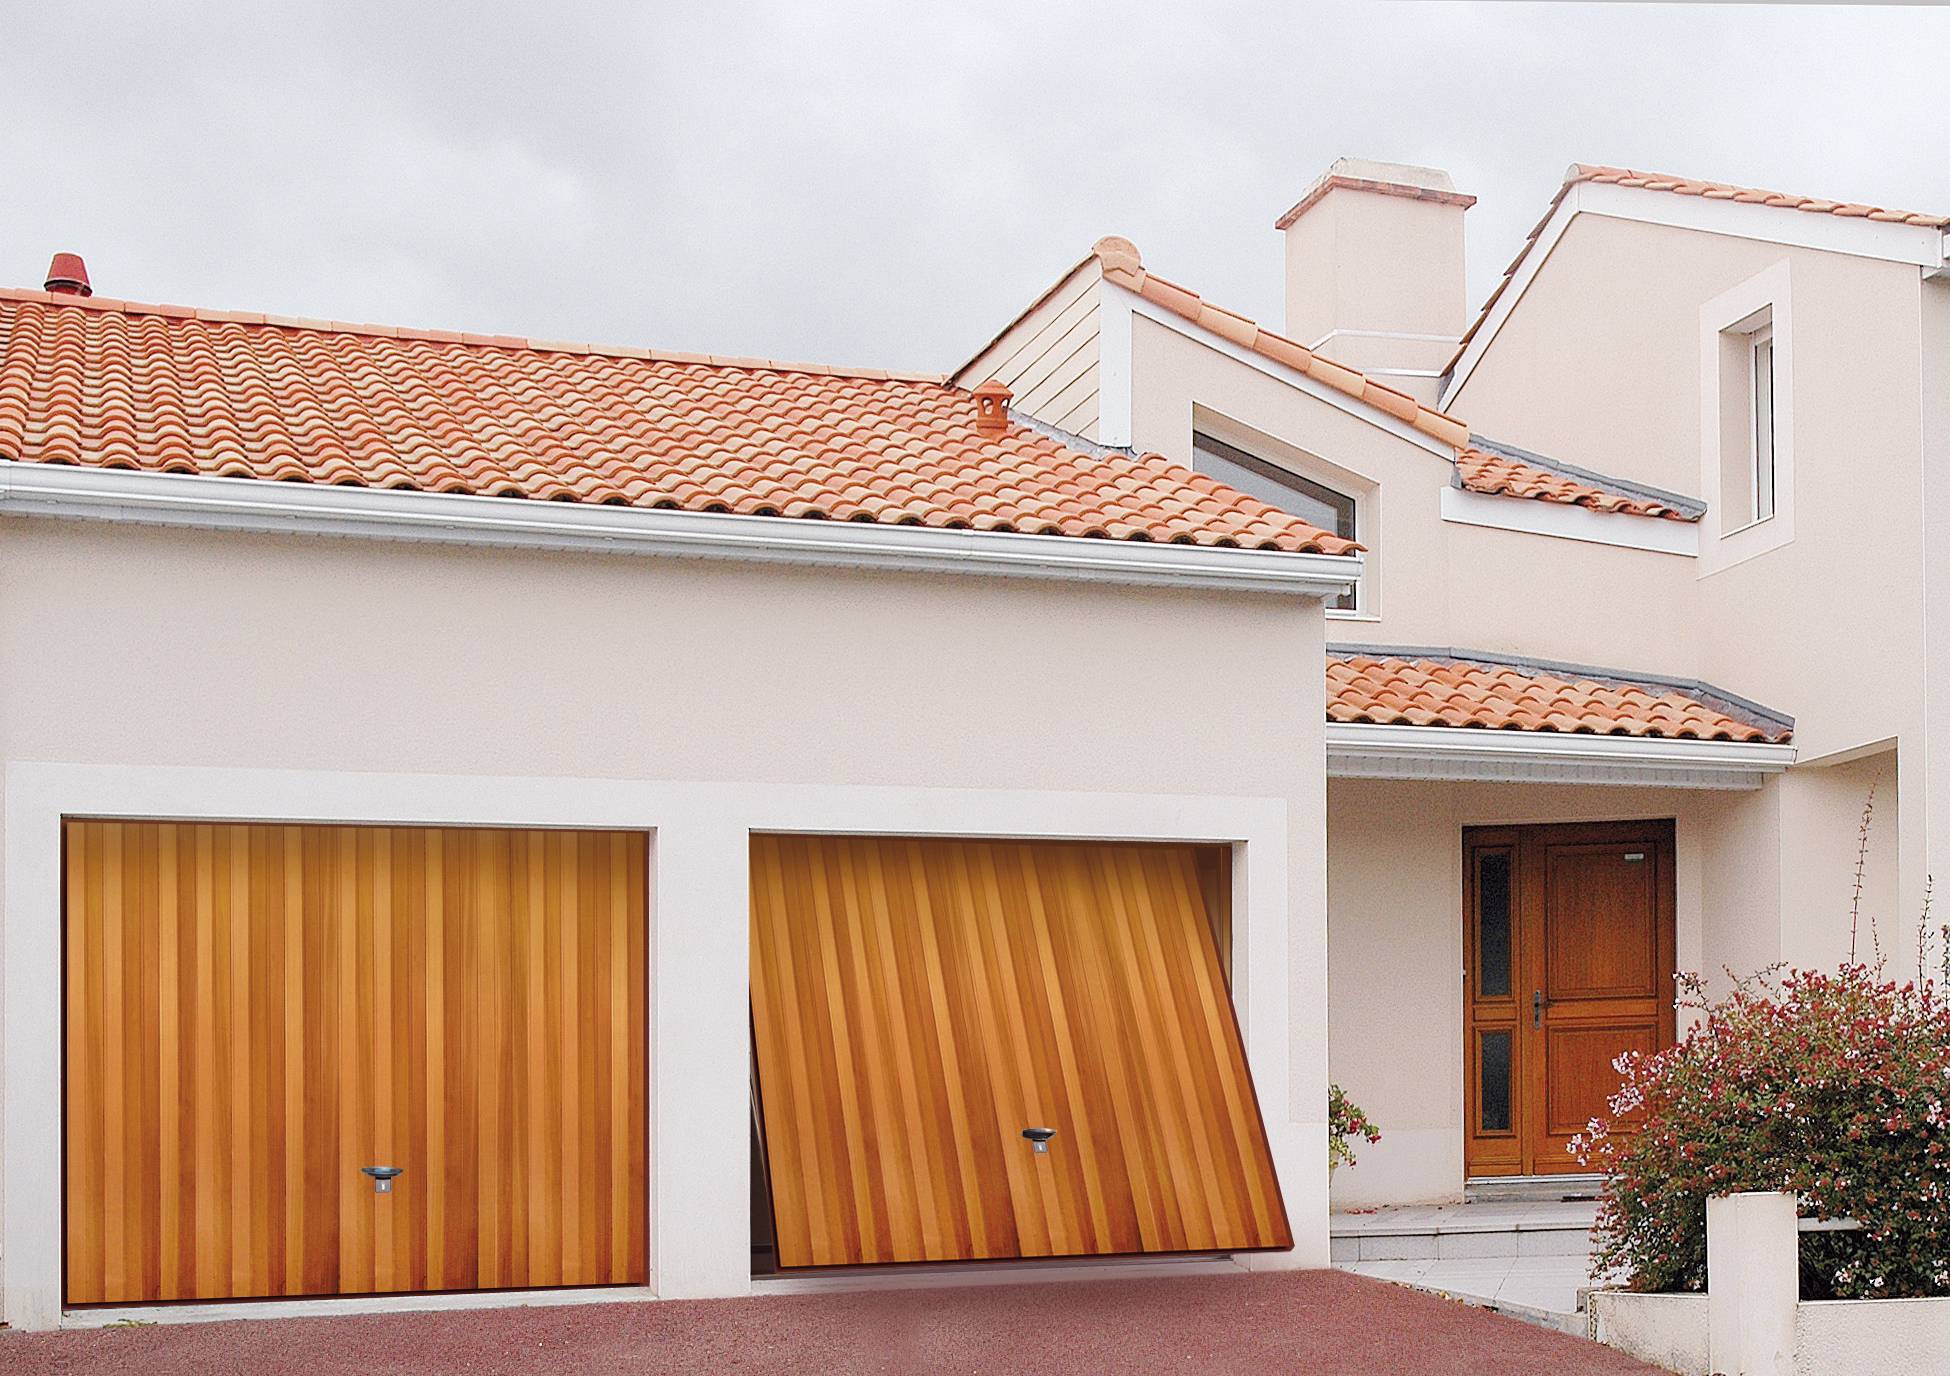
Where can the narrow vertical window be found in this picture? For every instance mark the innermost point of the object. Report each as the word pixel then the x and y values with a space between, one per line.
pixel 1493 924
pixel 1761 443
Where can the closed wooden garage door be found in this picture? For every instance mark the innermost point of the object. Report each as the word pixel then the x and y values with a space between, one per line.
pixel 255 1013
pixel 917 1004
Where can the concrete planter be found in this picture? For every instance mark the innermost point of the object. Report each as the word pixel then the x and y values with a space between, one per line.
pixel 1752 1321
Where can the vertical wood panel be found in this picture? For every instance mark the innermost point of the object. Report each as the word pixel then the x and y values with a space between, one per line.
pixel 255 1012
pixel 916 1004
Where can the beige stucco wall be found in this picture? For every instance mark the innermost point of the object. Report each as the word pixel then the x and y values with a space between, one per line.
pixel 1600 365
pixel 131 647
pixel 1427 581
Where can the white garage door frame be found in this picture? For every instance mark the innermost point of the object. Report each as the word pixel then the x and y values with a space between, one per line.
pixel 699 1194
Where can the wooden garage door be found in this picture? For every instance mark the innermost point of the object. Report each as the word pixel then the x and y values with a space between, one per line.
pixel 256 1012
pixel 917 1004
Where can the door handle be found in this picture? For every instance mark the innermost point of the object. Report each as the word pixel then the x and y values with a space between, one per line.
pixel 1537 1008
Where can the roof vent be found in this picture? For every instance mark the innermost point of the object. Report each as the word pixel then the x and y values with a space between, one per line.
pixel 992 407
pixel 68 275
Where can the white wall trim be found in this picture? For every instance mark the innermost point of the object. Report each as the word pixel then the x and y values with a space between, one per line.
pixel 1771 289
pixel 1359 750
pixel 173 499
pixel 1116 401
pixel 699 1196
pixel 1923 245
pixel 1340 401
pixel 1534 516
pixel 1414 336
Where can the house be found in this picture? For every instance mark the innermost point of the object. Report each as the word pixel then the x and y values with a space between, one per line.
pixel 1646 613
pixel 488 820
pixel 439 766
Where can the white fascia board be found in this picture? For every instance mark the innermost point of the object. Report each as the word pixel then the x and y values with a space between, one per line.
pixel 1854 235
pixel 1116 365
pixel 1923 245
pixel 1134 304
pixel 1534 516
pixel 1358 750
pixel 172 499
pixel 1513 290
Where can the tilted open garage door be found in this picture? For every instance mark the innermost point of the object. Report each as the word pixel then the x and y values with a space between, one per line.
pixel 918 1004
pixel 255 1014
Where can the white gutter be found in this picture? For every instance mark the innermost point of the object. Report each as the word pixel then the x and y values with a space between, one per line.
pixel 1358 750
pixel 253 504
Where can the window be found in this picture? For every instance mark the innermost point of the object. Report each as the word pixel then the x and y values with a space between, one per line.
pixel 1748 452
pixel 1761 437
pixel 1282 488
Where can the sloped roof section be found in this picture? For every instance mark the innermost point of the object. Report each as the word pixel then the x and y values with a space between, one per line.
pixel 1599 173
pixel 115 384
pixel 1503 470
pixel 1405 686
pixel 1122 265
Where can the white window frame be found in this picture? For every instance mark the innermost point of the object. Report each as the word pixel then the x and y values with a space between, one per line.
pixel 1758 311
pixel 1762 476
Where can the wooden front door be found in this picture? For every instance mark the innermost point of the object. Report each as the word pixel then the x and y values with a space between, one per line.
pixel 255 1013
pixel 1569 962
pixel 916 1004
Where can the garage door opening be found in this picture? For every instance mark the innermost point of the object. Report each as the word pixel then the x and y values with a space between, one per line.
pixel 261 1017
pixel 973 1050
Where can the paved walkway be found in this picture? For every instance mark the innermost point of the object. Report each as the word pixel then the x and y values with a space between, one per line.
pixel 1321 1322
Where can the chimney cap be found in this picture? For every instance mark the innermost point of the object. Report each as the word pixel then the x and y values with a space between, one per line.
pixel 68 275
pixel 1383 179
pixel 992 406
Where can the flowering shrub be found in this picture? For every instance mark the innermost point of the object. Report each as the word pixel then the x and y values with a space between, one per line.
pixel 1832 1086
pixel 1345 1120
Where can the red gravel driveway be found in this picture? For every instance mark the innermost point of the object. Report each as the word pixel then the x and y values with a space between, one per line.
pixel 1295 1321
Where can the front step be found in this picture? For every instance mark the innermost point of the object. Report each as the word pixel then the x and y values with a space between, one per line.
pixel 1477 1229
pixel 1529 1260
pixel 1537 1189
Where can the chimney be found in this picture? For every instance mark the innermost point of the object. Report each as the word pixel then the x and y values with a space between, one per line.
pixel 68 275
pixel 992 407
pixel 1374 271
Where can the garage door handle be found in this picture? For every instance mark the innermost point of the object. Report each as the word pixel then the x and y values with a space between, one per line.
pixel 382 1177
pixel 1040 1136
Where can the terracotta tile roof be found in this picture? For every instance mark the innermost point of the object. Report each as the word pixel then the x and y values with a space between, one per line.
pixel 166 388
pixel 1580 173
pixel 1422 687
pixel 1502 470
pixel 1122 265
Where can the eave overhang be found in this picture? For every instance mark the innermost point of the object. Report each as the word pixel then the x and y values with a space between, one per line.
pixel 1361 750
pixel 252 504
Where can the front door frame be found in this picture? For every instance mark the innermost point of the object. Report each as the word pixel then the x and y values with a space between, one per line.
pixel 1512 1147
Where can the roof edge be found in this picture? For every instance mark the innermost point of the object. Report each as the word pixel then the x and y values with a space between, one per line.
pixel 114 306
pixel 1689 508
pixel 76 492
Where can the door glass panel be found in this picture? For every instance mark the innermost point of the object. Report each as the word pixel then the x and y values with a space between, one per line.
pixel 1493 1092
pixel 1493 924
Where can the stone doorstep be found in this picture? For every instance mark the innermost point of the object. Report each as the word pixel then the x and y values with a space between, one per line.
pixel 1441 1234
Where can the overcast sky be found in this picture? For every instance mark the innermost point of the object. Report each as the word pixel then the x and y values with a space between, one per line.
pixel 874 184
